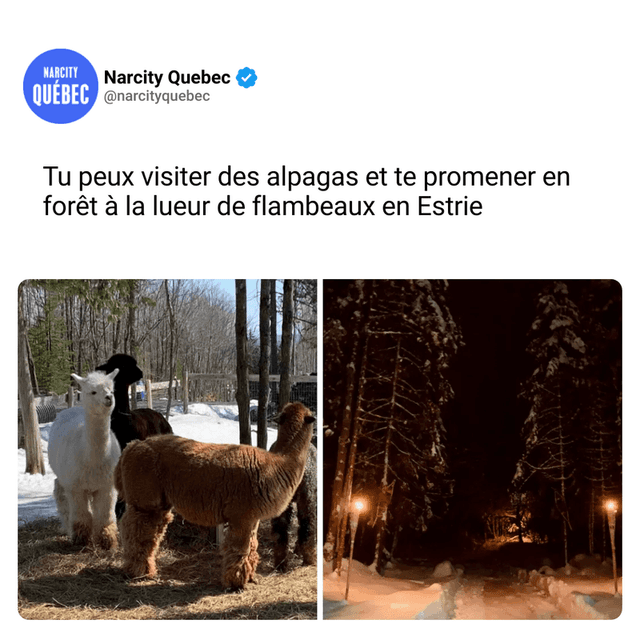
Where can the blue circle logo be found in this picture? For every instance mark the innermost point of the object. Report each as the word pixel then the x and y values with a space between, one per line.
pixel 60 86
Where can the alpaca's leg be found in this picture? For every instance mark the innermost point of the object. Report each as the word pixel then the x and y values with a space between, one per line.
pixel 254 557
pixel 280 526
pixel 105 531
pixel 141 533
pixel 240 554
pixel 307 527
pixel 79 517
pixel 62 505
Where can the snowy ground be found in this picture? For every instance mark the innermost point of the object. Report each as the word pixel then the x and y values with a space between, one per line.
pixel 405 593
pixel 204 422
pixel 483 591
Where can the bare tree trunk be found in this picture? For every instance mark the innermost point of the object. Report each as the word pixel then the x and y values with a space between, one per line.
pixel 347 442
pixel 32 367
pixel 265 358
pixel 116 336
pixel 242 364
pixel 519 513
pixel 346 496
pixel 130 335
pixel 273 312
pixel 294 369
pixel 337 489
pixel 337 506
pixel 69 324
pixel 564 506
pixel 592 504
pixel 381 520
pixel 172 331
pixel 353 448
pixel 32 445
pixel 287 343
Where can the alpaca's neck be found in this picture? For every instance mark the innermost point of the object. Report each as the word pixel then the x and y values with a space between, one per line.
pixel 291 452
pixel 294 445
pixel 121 396
pixel 97 424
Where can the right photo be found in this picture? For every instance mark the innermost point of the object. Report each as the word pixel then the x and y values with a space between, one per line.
pixel 472 438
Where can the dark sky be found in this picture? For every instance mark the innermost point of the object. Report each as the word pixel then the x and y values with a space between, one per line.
pixel 485 415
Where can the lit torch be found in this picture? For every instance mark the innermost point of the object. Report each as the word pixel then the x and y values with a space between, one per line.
pixel 612 509
pixel 356 507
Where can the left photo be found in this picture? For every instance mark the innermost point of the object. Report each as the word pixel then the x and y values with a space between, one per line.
pixel 167 449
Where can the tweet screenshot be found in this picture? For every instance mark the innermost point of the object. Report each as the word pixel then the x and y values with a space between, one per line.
pixel 418 416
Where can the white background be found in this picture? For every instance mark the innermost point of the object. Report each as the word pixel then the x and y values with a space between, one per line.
pixel 341 86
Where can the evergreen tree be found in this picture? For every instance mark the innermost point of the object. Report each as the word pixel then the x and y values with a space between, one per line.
pixel 551 430
pixel 600 453
pixel 50 350
pixel 392 340
pixel 572 434
pixel 412 340
pixel 345 334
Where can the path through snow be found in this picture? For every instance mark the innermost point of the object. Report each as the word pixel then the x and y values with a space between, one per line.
pixel 502 598
pixel 487 587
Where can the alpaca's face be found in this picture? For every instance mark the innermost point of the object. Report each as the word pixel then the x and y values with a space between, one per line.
pixel 102 395
pixel 97 388
pixel 129 376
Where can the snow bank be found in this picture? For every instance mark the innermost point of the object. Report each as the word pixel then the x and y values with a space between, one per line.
pixel 35 491
pixel 372 597
pixel 583 594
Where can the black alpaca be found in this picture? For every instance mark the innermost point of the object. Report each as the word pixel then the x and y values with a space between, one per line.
pixel 130 425
pixel 305 500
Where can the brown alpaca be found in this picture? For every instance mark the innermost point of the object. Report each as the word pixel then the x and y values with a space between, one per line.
pixel 147 422
pixel 208 485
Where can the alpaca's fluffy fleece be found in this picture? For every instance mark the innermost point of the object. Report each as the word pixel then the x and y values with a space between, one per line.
pixel 83 454
pixel 209 484
pixel 304 505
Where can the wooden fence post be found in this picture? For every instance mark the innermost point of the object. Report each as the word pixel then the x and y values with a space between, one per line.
pixel 147 388
pixel 185 392
pixel 133 396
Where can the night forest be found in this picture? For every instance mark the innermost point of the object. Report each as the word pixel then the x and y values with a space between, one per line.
pixel 462 412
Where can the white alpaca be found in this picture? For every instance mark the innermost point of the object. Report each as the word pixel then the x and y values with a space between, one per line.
pixel 83 453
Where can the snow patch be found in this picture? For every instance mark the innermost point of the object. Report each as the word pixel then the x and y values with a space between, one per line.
pixel 373 597
pixel 581 595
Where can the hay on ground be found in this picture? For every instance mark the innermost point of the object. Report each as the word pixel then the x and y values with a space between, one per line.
pixel 57 580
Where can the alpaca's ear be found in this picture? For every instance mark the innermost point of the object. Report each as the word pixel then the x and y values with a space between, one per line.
pixel 309 419
pixel 113 374
pixel 78 379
